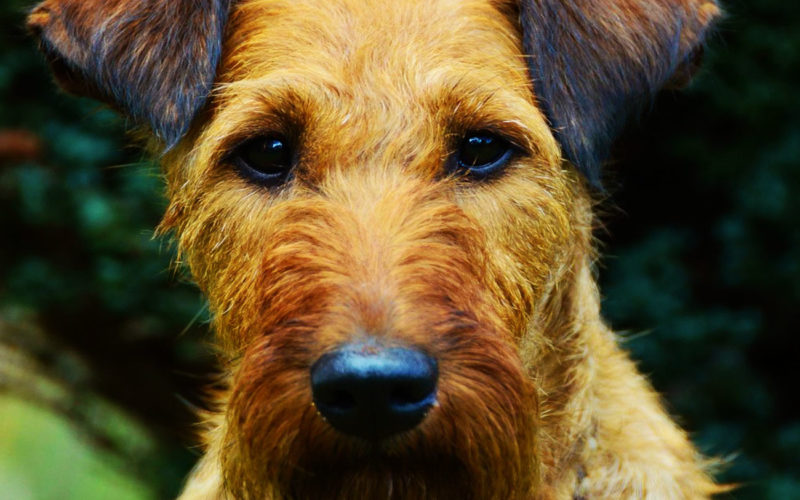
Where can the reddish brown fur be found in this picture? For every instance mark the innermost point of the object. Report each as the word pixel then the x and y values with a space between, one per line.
pixel 372 238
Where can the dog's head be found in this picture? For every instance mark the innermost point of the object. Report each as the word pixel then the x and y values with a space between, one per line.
pixel 367 188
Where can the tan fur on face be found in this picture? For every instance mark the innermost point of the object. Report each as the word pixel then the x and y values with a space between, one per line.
pixel 373 238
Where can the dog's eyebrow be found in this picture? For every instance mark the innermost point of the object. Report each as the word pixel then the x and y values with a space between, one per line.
pixel 465 106
pixel 281 83
pixel 459 104
pixel 247 107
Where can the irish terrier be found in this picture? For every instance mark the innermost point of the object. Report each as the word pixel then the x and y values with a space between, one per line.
pixel 389 208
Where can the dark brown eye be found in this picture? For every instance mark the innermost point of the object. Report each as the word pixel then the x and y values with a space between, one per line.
pixel 482 153
pixel 266 160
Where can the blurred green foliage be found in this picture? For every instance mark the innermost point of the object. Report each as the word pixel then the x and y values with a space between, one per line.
pixel 78 261
pixel 702 268
pixel 40 458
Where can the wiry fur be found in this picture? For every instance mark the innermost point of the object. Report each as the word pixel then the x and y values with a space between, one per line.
pixel 373 238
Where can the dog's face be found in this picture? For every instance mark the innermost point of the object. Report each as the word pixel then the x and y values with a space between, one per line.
pixel 378 229
pixel 385 176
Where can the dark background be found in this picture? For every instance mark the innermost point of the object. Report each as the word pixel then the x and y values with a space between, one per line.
pixel 700 270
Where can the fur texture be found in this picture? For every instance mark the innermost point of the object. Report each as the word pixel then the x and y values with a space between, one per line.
pixel 372 237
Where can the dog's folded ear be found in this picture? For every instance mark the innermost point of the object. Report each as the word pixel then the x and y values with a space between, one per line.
pixel 154 60
pixel 593 62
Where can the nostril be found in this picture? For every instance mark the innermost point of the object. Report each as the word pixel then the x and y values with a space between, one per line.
pixel 411 394
pixel 338 400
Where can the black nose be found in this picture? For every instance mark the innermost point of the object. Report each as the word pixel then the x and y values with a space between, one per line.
pixel 371 391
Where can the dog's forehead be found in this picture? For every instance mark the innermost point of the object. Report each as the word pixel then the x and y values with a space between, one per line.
pixel 351 41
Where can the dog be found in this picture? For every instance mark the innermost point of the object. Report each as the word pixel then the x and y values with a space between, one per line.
pixel 389 206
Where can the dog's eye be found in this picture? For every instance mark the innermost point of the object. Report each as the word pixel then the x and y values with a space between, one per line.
pixel 482 153
pixel 267 160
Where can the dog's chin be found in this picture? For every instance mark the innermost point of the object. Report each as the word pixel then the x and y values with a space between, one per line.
pixel 382 476
pixel 333 466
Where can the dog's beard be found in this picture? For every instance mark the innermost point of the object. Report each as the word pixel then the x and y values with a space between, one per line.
pixel 478 442
pixel 379 475
pixel 424 464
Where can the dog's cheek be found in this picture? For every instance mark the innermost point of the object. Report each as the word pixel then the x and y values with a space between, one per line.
pixel 219 240
pixel 530 225
pixel 269 408
pixel 484 379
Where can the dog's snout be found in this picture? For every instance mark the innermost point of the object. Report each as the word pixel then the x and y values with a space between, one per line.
pixel 373 392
